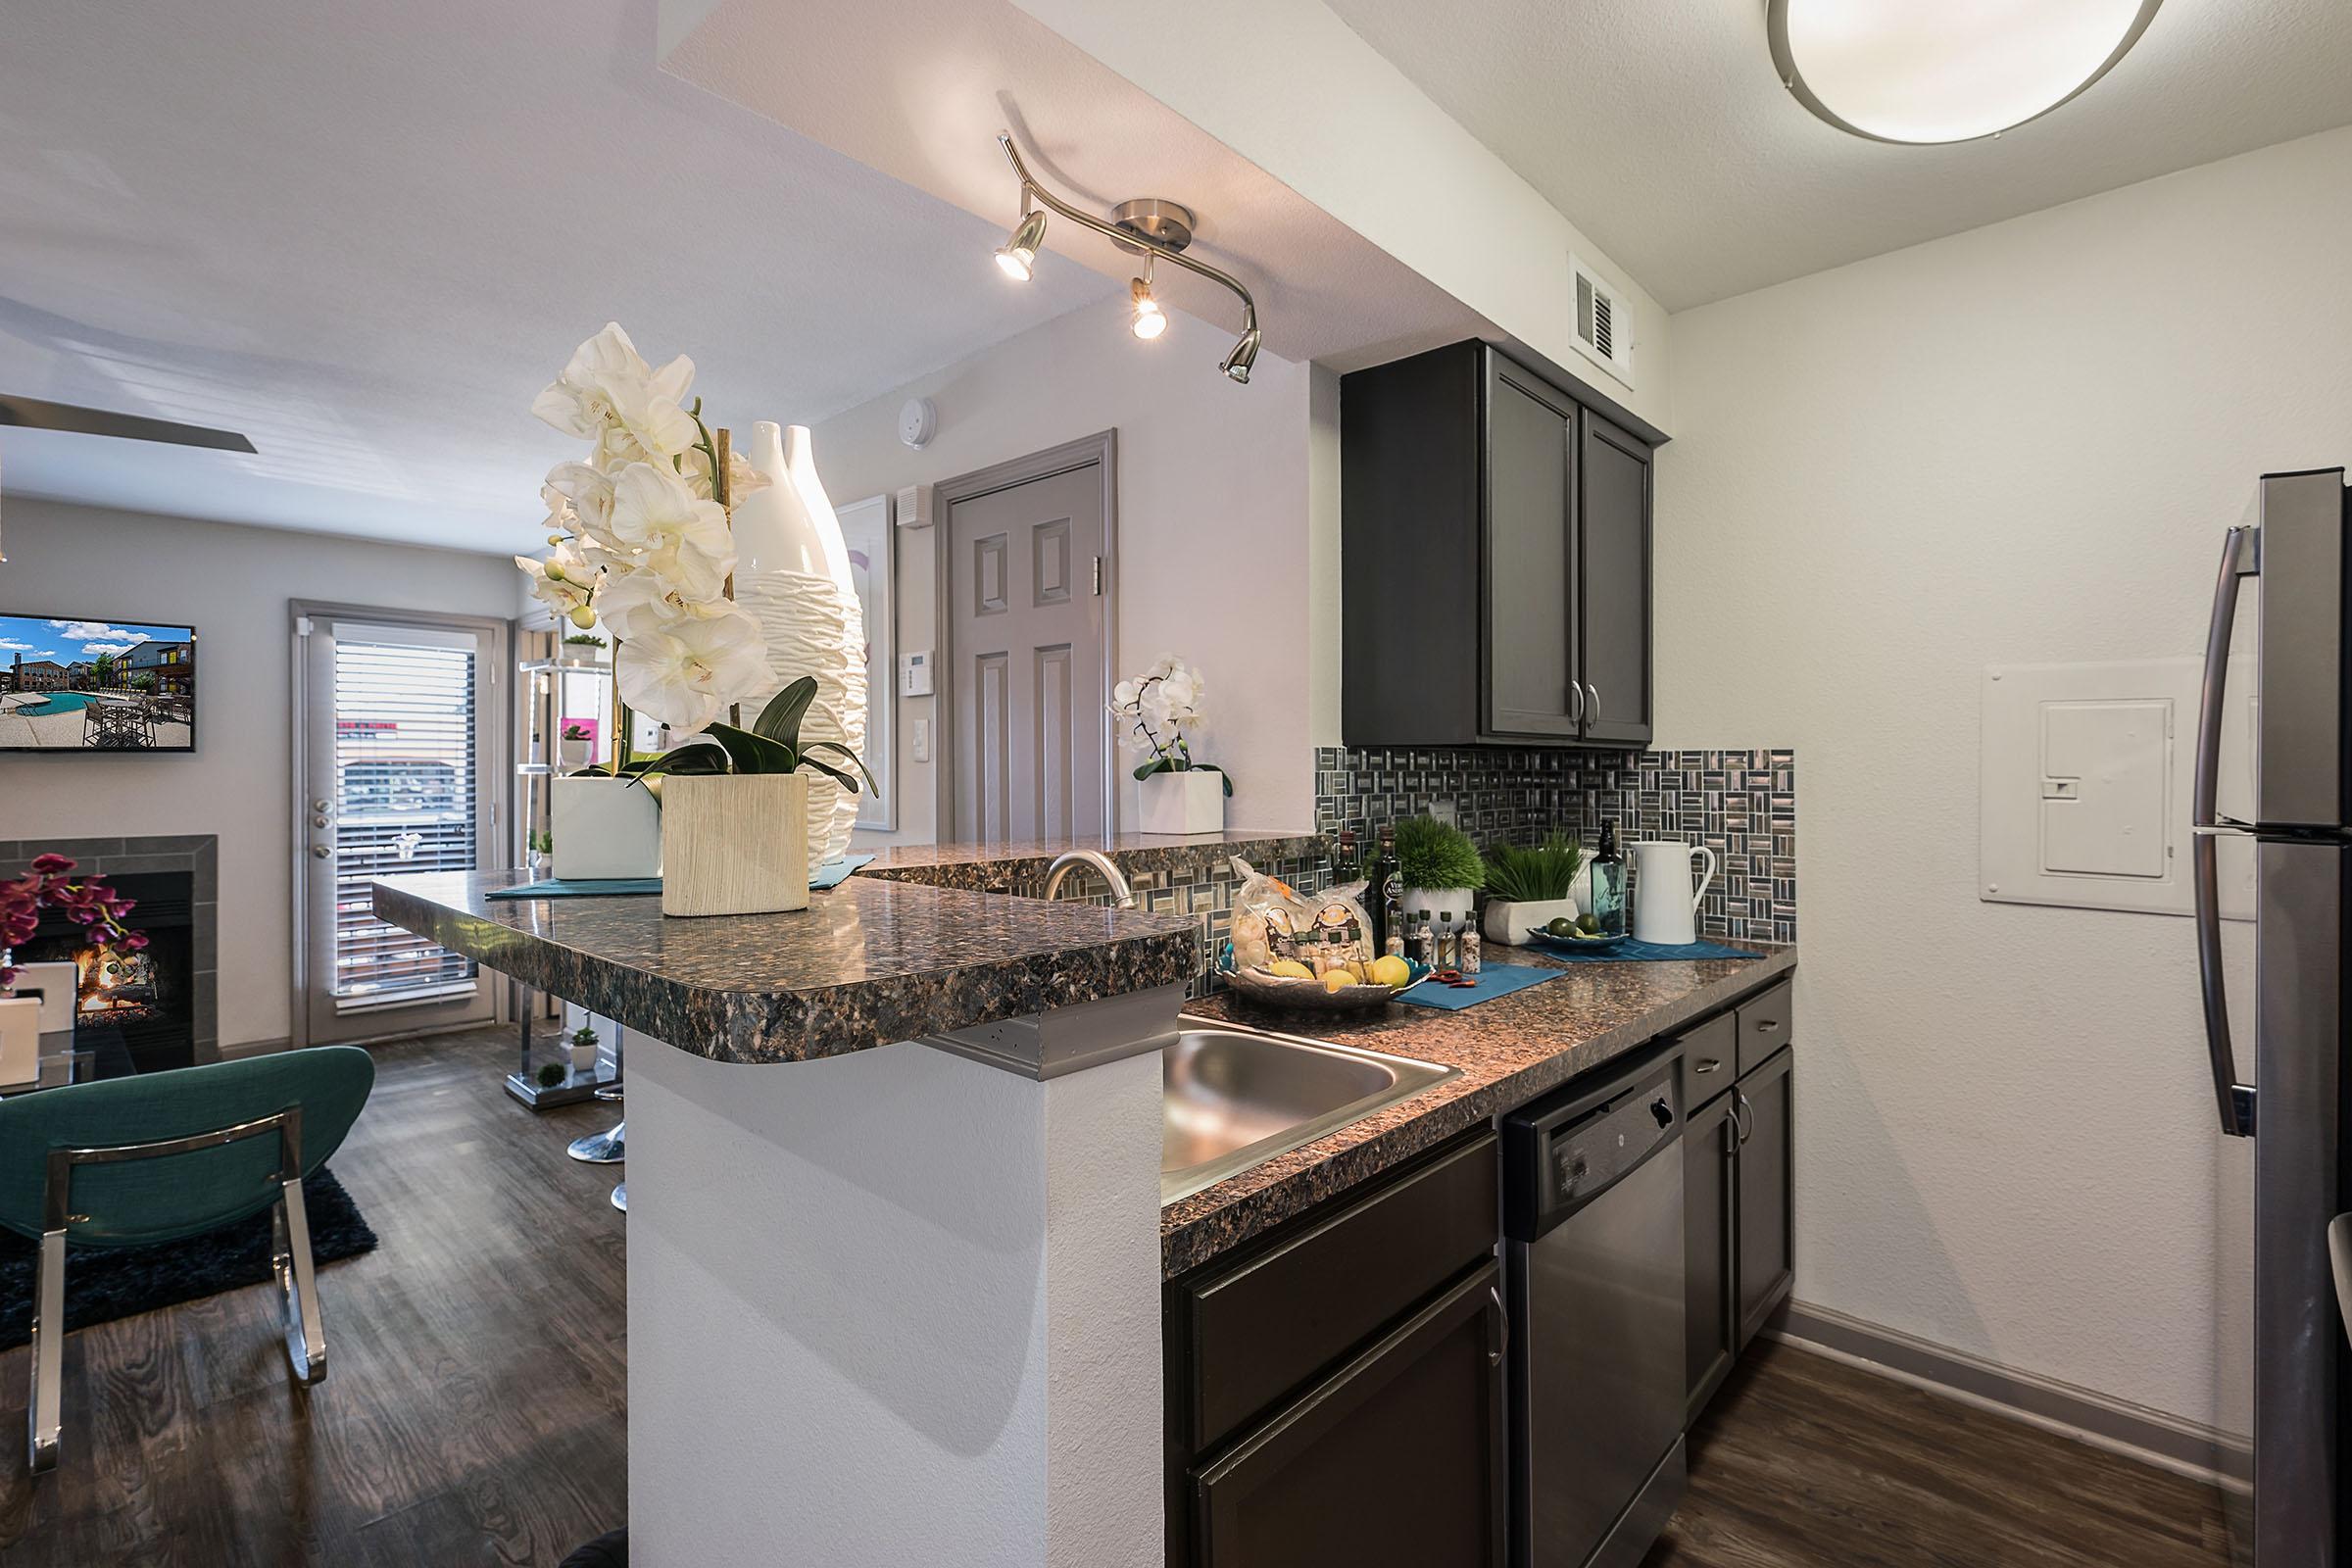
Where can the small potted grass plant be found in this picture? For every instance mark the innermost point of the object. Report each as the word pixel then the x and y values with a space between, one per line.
pixel 1531 885
pixel 1441 872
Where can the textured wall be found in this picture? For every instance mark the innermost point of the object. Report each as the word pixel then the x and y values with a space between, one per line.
pixel 2017 444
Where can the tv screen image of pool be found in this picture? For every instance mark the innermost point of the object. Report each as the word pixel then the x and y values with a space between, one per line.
pixel 76 684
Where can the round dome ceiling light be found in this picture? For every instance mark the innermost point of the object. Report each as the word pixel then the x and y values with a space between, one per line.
pixel 1901 71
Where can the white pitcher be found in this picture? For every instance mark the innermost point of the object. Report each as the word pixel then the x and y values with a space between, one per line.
pixel 1661 876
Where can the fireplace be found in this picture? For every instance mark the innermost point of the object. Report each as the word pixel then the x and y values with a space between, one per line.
pixel 160 1004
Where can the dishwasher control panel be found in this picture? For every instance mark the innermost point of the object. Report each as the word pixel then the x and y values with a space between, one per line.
pixel 1581 1142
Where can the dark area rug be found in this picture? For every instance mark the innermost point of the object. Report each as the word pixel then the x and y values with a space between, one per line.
pixel 105 1283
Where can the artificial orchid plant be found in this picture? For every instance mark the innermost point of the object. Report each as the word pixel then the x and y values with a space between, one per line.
pixel 87 902
pixel 641 545
pixel 1158 712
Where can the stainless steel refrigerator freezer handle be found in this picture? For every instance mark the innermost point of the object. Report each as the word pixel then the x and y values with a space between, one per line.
pixel 2233 1100
pixel 2339 1257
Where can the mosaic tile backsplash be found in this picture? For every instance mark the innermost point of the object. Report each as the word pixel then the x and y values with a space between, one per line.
pixel 1204 892
pixel 1742 805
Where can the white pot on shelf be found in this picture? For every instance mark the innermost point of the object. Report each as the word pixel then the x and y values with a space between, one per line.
pixel 583 1057
pixel 1188 800
pixel 1508 922
pixel 734 843
pixel 603 828
pixel 1449 908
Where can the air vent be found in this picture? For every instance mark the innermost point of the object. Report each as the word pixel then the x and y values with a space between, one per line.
pixel 1605 340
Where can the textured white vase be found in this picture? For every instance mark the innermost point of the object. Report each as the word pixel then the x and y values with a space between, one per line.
pixel 792 571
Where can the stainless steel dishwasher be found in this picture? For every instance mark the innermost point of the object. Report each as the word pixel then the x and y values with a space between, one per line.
pixel 1592 1225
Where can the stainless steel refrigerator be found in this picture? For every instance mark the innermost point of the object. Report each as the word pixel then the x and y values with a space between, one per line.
pixel 2288 566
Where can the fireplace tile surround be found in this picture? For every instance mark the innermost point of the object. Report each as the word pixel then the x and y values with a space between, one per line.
pixel 197 856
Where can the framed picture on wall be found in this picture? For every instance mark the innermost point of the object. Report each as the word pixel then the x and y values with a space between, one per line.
pixel 865 528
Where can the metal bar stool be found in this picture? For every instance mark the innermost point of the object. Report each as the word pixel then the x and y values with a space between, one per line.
pixel 609 1147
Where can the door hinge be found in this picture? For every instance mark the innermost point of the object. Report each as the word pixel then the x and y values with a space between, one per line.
pixel 1097 576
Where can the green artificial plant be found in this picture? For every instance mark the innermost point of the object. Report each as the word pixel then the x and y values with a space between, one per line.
pixel 1534 873
pixel 771 745
pixel 1430 853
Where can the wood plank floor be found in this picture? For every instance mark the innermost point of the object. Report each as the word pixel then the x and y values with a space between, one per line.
pixel 1806 1462
pixel 474 1409
pixel 476 1368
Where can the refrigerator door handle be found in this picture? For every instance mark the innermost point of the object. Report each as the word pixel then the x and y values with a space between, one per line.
pixel 2339 1258
pixel 2241 555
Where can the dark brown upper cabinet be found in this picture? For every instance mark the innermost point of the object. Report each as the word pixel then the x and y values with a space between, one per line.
pixel 1494 559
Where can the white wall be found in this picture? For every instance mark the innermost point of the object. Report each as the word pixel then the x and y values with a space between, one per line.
pixel 234 585
pixel 2020 443
pixel 1213 526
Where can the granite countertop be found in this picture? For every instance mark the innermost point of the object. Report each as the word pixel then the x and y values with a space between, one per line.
pixel 1511 1050
pixel 867 963
pixel 995 865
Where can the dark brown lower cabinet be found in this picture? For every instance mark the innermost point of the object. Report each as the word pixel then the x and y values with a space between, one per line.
pixel 1394 1461
pixel 1710 1209
pixel 1767 1100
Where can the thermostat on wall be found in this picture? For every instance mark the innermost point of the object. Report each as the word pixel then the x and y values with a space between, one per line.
pixel 915 675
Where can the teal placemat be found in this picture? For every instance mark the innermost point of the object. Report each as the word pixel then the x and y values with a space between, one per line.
pixel 829 875
pixel 1494 980
pixel 1631 950
pixel 557 888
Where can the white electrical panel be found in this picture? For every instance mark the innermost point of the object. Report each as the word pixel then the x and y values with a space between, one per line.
pixel 2085 787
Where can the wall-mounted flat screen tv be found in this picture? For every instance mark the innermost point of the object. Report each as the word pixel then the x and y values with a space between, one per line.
pixel 73 685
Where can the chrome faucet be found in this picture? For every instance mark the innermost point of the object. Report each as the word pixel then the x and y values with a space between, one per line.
pixel 1069 861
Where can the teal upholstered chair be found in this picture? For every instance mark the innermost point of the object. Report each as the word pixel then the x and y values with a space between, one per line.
pixel 128 1161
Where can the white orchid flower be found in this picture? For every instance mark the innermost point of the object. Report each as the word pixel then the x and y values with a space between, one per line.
pixel 589 496
pixel 742 478
pixel 674 533
pixel 610 395
pixel 1123 697
pixel 634 604
pixel 685 675
pixel 564 582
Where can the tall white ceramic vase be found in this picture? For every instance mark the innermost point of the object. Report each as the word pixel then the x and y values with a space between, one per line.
pixel 792 571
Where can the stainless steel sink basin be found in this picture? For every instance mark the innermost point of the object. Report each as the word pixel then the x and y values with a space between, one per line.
pixel 1234 1097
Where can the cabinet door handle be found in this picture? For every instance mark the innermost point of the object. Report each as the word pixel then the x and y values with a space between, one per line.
pixel 1593 700
pixel 1501 1325
pixel 1576 703
pixel 1743 1112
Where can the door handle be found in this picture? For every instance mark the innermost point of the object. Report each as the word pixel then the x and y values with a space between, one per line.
pixel 1498 1324
pixel 1576 703
pixel 2339 1258
pixel 1592 701
pixel 2240 553
pixel 1742 1115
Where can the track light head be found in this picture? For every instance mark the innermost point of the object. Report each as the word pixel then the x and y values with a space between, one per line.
pixel 1017 255
pixel 1245 354
pixel 1149 320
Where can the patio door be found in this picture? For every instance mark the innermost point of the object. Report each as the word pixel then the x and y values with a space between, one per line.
pixel 399 770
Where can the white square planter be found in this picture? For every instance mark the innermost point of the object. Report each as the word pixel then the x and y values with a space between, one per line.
pixel 603 828
pixel 734 843
pixel 1190 802
pixel 1509 922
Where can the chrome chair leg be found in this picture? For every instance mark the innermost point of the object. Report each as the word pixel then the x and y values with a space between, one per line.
pixel 620 1198
pixel 603 1148
pixel 42 1413
pixel 297 1285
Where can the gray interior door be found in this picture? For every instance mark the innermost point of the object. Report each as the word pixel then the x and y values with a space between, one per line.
pixel 1026 643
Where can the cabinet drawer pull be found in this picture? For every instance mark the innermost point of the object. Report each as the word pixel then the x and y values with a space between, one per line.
pixel 1765 1026
pixel 1708 1065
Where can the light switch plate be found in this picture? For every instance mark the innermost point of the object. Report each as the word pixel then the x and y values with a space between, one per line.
pixel 922 740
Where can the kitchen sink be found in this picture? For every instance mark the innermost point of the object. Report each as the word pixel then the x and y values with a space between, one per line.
pixel 1233 1098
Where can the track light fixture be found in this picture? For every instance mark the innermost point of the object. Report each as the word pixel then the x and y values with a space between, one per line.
pixel 1149 320
pixel 1017 255
pixel 1155 229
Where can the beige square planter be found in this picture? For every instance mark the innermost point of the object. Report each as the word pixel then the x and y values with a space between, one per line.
pixel 734 843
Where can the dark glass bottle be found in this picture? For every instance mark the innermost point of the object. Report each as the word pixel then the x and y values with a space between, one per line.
pixel 1608 884
pixel 1379 899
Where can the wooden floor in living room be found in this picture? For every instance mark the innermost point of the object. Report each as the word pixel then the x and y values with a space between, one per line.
pixel 474 1413
pixel 476 1391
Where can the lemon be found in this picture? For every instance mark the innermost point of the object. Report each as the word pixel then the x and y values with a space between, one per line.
pixel 1337 980
pixel 1290 969
pixel 1392 971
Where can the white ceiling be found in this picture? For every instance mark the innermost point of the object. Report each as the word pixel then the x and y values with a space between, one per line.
pixel 366 236
pixel 1659 127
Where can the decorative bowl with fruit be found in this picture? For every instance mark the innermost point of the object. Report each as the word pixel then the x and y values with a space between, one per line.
pixel 1580 935
pixel 1291 983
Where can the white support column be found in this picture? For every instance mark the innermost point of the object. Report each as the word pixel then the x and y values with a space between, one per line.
pixel 900 1306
